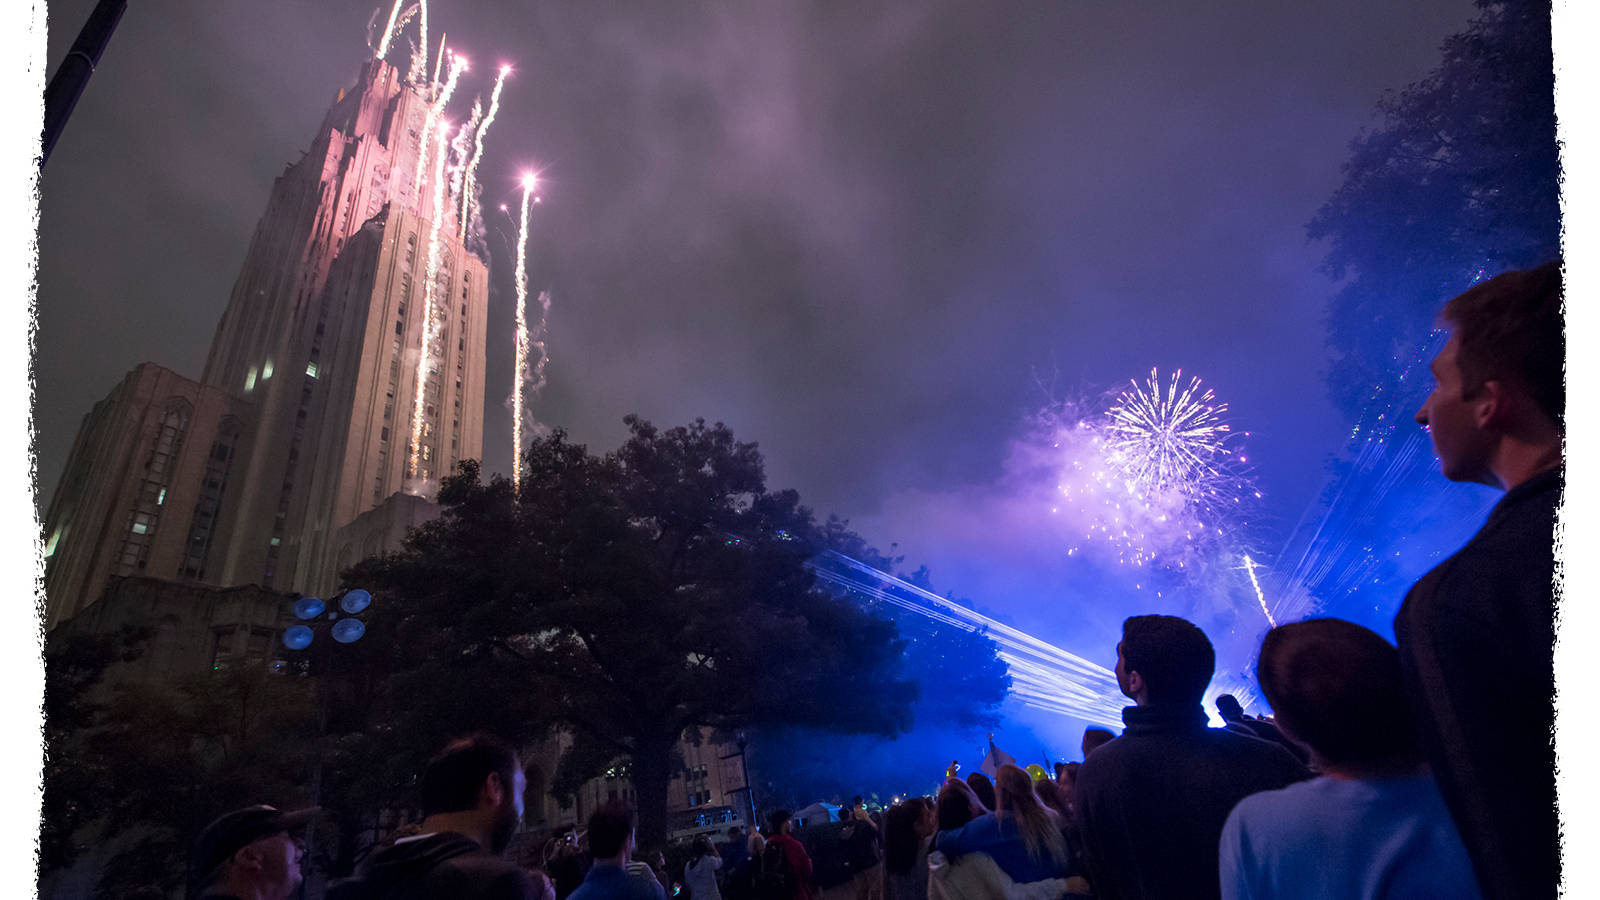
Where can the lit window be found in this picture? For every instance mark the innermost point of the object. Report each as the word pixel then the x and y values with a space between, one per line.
pixel 142 528
pixel 50 548
pixel 266 370
pixel 274 542
pixel 250 380
pixel 311 369
pixel 161 497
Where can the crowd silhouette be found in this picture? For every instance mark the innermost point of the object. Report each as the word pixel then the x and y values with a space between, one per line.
pixel 1423 768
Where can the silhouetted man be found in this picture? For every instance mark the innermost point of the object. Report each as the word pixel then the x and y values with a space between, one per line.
pixel 1152 802
pixel 611 838
pixel 471 806
pixel 1373 827
pixel 1233 714
pixel 1095 738
pixel 1477 633
pixel 249 854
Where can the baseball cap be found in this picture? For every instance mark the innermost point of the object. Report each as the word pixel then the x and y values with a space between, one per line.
pixel 233 831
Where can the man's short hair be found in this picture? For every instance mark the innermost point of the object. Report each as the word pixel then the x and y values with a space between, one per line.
pixel 1172 655
pixel 610 827
pixel 1510 328
pixel 1228 707
pixel 454 778
pixel 1095 738
pixel 1337 687
pixel 777 818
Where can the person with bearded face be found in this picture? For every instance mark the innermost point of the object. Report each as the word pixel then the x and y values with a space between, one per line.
pixel 472 805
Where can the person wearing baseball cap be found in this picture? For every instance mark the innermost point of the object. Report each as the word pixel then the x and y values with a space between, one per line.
pixel 249 854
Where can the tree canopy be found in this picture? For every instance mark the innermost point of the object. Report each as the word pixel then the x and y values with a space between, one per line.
pixel 1459 180
pixel 636 597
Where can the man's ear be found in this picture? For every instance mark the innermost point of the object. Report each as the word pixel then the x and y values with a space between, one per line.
pixel 1492 407
pixel 248 857
pixel 1135 683
pixel 493 792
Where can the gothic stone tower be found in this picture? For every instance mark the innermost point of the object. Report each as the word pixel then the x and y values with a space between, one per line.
pixel 306 402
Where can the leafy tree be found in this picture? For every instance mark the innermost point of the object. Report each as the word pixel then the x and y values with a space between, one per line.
pixel 140 768
pixel 75 667
pixel 637 597
pixel 1459 180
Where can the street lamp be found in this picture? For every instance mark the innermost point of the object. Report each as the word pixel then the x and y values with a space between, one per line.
pixel 346 629
pixel 744 769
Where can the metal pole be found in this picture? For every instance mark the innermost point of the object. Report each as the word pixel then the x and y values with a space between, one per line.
pixel 749 789
pixel 72 76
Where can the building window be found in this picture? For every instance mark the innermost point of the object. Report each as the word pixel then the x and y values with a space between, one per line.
pixel 311 370
pixel 208 507
pixel 145 516
pixel 250 380
pixel 222 648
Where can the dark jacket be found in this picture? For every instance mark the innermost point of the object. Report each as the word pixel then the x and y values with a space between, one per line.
pixel 442 865
pixel 1477 637
pixel 1153 801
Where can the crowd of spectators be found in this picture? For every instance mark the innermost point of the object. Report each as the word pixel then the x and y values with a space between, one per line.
pixel 1418 770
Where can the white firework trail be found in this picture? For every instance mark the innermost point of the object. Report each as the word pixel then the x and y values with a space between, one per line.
pixel 522 338
pixel 477 150
pixel 459 145
pixel 537 341
pixel 421 65
pixel 1250 566
pixel 458 64
pixel 429 325
pixel 389 29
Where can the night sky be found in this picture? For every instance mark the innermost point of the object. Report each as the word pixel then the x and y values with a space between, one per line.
pixel 872 237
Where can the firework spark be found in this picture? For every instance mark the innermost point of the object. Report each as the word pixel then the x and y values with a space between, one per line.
pixel 1151 477
pixel 429 323
pixel 477 150
pixel 420 64
pixel 522 336
pixel 1250 566
pixel 460 145
pixel 458 64
pixel 1165 440
pixel 389 29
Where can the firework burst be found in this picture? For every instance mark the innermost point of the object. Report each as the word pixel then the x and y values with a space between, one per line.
pixel 1151 476
pixel 1166 439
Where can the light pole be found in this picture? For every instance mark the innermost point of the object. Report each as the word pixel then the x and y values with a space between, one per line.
pixel 345 630
pixel 744 769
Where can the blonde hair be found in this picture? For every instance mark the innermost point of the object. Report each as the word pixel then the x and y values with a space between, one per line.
pixel 1016 799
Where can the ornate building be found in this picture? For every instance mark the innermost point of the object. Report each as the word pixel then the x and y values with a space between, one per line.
pixel 302 422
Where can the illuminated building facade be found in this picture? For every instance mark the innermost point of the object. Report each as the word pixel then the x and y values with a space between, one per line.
pixel 302 421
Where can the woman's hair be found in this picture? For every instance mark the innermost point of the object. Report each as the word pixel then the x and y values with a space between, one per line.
pixel 1050 795
pixel 900 841
pixel 700 847
pixel 981 786
pixel 954 806
pixel 1017 801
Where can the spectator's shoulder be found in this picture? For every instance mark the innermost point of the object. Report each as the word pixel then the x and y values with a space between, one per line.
pixel 514 883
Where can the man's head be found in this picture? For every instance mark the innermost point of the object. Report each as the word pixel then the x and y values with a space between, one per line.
pixel 1164 659
pixel 1229 709
pixel 1094 738
pixel 778 821
pixel 735 833
pixel 1500 376
pixel 1336 687
pixel 256 849
pixel 611 830
pixel 479 775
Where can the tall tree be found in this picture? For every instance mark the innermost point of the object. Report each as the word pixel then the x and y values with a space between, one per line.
pixel 644 594
pixel 1459 180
